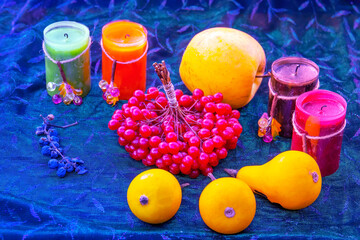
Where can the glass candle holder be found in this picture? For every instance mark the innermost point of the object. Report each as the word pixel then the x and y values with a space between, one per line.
pixel 124 51
pixel 319 123
pixel 67 43
pixel 290 77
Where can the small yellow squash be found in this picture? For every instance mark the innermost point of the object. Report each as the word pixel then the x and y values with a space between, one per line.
pixel 291 179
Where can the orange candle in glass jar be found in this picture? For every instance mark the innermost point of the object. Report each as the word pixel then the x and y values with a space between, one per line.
pixel 126 42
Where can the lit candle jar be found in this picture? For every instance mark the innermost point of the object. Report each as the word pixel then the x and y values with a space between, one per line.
pixel 68 43
pixel 126 43
pixel 319 122
pixel 290 77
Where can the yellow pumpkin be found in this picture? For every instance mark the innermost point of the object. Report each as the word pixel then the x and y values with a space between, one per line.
pixel 227 205
pixel 224 60
pixel 154 196
pixel 291 179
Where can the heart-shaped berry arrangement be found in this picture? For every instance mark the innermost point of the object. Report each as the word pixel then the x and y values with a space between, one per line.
pixel 177 132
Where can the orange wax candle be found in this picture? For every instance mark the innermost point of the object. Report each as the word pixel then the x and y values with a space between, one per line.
pixel 126 42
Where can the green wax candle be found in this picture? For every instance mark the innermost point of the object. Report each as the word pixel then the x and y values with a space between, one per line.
pixel 63 41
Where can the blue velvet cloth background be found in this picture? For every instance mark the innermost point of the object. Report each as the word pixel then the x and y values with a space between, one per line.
pixel 36 204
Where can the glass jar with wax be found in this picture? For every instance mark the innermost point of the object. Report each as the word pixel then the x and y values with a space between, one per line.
pixel 67 46
pixel 319 122
pixel 290 77
pixel 124 49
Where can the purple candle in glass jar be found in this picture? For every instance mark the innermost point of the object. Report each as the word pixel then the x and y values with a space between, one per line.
pixel 290 77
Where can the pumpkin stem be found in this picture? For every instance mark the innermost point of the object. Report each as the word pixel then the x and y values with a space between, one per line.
pixel 144 200
pixel 315 177
pixel 229 212
pixel 184 185
pixel 231 172
pixel 211 176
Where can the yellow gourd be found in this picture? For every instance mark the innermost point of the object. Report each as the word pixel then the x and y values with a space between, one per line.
pixel 291 179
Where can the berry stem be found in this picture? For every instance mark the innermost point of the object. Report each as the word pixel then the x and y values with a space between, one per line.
pixel 162 72
pixel 164 75
pixel 46 121
pixel 174 110
pixel 48 137
pixel 66 126
pixel 57 150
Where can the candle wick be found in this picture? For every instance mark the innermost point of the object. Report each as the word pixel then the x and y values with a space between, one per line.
pixel 127 35
pixel 296 69
pixel 66 35
pixel 322 107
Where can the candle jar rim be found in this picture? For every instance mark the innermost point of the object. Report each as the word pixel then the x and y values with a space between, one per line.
pixel 293 59
pixel 59 24
pixel 324 94
pixel 124 45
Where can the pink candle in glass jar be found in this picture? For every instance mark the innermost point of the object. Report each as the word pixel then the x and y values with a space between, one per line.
pixel 318 126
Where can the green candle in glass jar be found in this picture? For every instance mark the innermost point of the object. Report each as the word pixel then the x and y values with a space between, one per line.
pixel 67 41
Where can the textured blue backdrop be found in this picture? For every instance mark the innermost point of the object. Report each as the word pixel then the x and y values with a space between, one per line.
pixel 36 204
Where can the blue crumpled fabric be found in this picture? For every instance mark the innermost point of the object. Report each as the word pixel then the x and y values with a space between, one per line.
pixel 36 204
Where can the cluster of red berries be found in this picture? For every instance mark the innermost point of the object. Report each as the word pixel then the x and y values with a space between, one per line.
pixel 190 138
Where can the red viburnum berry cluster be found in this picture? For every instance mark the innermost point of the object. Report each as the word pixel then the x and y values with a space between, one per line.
pixel 189 135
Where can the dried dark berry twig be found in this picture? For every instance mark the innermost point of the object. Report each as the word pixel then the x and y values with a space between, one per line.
pixel 51 147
